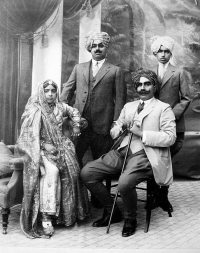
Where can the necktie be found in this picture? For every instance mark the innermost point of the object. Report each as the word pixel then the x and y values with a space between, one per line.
pixel 140 107
pixel 95 69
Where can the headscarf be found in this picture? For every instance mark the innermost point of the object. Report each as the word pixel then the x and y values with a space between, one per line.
pixel 103 36
pixel 158 41
pixel 149 74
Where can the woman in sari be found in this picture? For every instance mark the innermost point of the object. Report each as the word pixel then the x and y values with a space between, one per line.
pixel 52 186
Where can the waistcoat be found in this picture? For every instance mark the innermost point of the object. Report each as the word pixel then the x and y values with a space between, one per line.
pixel 87 109
pixel 136 143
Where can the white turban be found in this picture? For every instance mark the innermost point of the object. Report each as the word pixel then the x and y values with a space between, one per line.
pixel 103 36
pixel 165 41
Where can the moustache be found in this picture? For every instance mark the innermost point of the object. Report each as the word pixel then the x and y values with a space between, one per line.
pixel 97 51
pixel 143 92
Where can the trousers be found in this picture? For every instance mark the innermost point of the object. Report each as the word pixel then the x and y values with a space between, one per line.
pixel 98 143
pixel 137 169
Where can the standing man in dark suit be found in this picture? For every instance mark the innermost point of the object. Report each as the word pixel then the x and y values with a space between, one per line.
pixel 173 89
pixel 100 96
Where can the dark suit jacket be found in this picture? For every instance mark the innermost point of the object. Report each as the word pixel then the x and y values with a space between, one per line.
pixel 109 98
pixel 174 90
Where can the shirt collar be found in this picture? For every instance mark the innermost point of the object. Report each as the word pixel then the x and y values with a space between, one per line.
pixel 100 63
pixel 163 65
pixel 146 102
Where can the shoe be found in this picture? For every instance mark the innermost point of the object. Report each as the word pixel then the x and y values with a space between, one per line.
pixel 129 227
pixel 95 202
pixel 47 226
pixel 49 230
pixel 104 221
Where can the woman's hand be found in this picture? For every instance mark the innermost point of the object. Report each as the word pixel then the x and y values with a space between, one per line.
pixel 76 131
pixel 50 148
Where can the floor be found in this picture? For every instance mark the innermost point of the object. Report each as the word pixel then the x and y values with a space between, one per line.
pixel 181 232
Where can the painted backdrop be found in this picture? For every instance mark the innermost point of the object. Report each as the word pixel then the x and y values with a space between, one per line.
pixel 131 24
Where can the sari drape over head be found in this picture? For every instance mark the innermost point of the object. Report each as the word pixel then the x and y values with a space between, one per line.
pixel 43 123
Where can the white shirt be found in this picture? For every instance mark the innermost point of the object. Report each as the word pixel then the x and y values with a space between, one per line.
pixel 162 69
pixel 100 63
pixel 146 102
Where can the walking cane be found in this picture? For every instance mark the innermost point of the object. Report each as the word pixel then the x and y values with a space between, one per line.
pixel 116 195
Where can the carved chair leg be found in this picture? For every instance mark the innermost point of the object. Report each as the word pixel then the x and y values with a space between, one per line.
pixel 169 212
pixel 152 190
pixel 148 212
pixel 5 213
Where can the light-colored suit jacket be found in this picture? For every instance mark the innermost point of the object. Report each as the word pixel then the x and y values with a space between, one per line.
pixel 158 121
pixel 107 98
pixel 174 90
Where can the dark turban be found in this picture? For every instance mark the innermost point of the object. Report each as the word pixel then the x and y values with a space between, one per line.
pixel 149 74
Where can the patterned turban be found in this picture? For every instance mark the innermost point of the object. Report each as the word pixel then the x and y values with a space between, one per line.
pixel 157 42
pixel 149 74
pixel 103 36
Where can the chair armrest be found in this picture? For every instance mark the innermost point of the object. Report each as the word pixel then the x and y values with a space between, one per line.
pixel 15 188
pixel 16 177
pixel 16 163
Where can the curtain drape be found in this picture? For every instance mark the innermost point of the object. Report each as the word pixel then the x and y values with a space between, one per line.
pixel 71 7
pixel 22 18
pixel 25 16
pixel 17 18
pixel 8 85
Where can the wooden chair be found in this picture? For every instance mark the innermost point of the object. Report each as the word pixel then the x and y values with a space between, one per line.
pixel 11 189
pixel 152 191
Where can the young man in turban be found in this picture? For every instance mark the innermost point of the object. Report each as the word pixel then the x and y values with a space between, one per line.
pixel 100 96
pixel 173 89
pixel 152 123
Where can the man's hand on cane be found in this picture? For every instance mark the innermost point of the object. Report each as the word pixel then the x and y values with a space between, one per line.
pixel 135 128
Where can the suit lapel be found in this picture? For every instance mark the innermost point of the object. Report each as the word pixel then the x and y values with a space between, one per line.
pixel 86 71
pixel 155 69
pixel 147 109
pixel 169 72
pixel 102 72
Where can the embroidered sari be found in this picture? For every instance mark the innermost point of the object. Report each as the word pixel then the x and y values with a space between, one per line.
pixel 51 182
